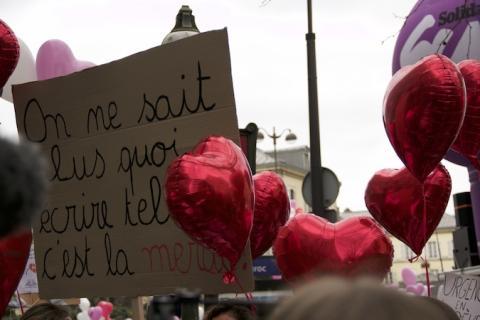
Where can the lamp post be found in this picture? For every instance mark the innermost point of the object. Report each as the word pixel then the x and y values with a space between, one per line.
pixel 274 136
pixel 184 26
pixel 315 154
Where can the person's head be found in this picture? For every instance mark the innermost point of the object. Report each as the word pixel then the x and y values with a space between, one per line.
pixel 46 311
pixel 447 310
pixel 228 312
pixel 339 299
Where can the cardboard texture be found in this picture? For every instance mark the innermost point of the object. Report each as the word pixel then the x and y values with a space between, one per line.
pixel 109 134
pixel 461 292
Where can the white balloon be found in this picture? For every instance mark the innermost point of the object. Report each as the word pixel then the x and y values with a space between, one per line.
pixel 84 305
pixel 83 316
pixel 24 72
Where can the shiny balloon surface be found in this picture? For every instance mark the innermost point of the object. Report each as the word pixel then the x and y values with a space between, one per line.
pixel 408 209
pixel 209 193
pixel 423 111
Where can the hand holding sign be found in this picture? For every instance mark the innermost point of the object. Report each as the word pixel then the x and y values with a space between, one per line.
pixel 210 196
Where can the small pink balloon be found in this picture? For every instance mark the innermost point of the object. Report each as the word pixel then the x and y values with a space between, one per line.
pixel 95 313
pixel 409 277
pixel 55 59
pixel 107 308
pixel 416 289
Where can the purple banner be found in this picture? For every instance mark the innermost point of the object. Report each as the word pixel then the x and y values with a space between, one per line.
pixel 449 27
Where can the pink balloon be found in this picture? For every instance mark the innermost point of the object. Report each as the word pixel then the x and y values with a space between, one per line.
pixel 409 276
pixel 107 308
pixel 55 59
pixel 416 289
pixel 95 313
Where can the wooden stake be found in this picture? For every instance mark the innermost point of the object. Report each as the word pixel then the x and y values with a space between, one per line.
pixel 137 307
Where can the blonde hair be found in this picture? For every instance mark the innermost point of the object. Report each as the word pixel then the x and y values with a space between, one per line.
pixel 337 299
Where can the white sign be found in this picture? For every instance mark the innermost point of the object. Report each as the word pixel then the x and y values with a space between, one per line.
pixel 462 293
pixel 29 282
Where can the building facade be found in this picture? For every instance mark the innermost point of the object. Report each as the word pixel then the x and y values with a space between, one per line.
pixel 292 165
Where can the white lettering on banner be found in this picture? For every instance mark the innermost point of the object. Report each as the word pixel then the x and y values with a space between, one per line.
pixel 414 49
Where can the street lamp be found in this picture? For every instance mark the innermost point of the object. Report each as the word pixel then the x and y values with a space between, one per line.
pixel 315 155
pixel 184 26
pixel 274 136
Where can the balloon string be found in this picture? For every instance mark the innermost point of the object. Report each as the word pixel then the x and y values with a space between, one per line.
pixel 424 214
pixel 230 275
pixel 427 276
pixel 20 302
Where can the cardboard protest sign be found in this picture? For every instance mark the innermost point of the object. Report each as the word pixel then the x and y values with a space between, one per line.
pixel 109 134
pixel 462 293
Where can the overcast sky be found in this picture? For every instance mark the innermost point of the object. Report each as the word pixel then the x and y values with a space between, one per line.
pixel 268 62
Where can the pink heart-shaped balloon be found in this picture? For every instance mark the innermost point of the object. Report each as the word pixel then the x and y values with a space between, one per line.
pixel 107 308
pixel 423 111
pixel 356 246
pixel 408 209
pixel 409 276
pixel 468 139
pixel 14 252
pixel 272 209
pixel 209 193
pixel 9 52
pixel 55 59
pixel 417 289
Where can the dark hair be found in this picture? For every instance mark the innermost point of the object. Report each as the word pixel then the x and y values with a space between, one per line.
pixel 45 311
pixel 236 312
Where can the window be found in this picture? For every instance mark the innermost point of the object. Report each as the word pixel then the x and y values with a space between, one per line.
pixel 292 194
pixel 432 249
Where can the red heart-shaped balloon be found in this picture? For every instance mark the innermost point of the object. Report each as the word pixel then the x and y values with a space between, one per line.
pixel 14 252
pixel 272 209
pixel 468 139
pixel 423 111
pixel 209 194
pixel 408 209
pixel 107 308
pixel 354 247
pixel 9 52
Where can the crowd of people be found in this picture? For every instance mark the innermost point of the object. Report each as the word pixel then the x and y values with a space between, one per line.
pixel 323 299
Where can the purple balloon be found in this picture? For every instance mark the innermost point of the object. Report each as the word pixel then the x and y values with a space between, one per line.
pixel 449 27
pixel 409 277
pixel 95 313
pixel 55 59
